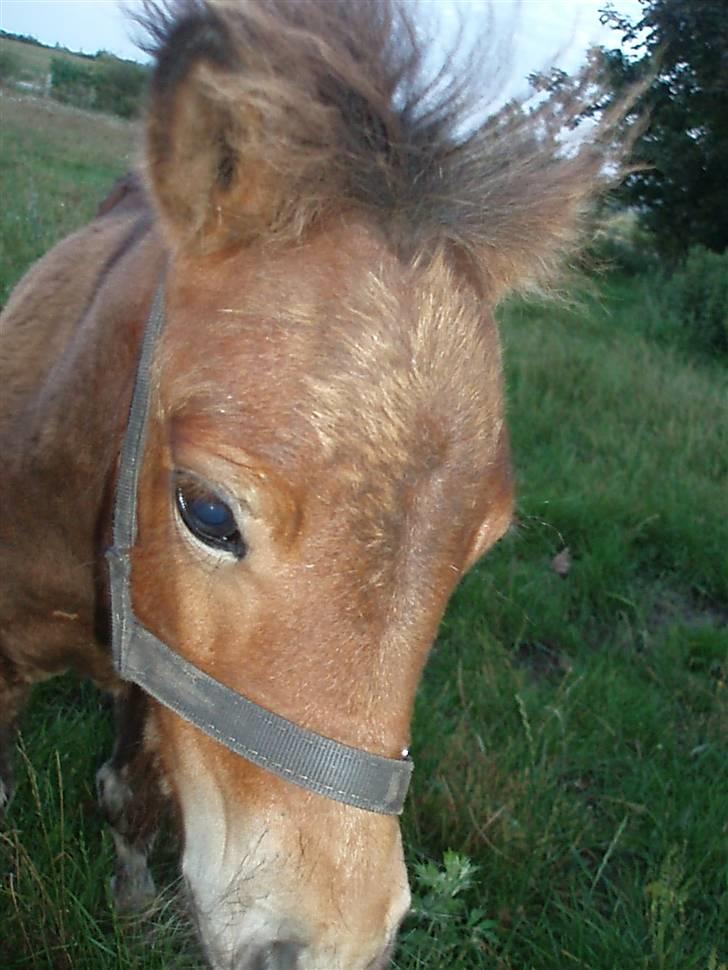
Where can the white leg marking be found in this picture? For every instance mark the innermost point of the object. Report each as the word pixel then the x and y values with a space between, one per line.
pixel 132 886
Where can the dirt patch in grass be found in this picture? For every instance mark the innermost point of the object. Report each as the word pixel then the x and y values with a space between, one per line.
pixel 542 660
pixel 677 609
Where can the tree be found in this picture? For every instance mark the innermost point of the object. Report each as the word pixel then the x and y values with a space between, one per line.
pixel 681 194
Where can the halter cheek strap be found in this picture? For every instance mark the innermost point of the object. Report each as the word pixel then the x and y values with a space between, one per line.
pixel 310 760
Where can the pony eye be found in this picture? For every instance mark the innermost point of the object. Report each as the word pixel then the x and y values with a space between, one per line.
pixel 208 517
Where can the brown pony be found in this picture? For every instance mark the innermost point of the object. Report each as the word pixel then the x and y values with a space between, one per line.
pixel 334 233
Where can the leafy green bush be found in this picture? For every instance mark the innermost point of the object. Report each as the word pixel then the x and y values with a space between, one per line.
pixel 120 86
pixel 697 295
pixel 621 245
pixel 108 84
pixel 9 66
pixel 72 83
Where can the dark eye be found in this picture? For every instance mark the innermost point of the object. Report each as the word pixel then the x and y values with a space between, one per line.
pixel 209 517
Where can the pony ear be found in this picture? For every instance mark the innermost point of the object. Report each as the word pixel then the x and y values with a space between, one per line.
pixel 538 194
pixel 206 189
pixel 538 221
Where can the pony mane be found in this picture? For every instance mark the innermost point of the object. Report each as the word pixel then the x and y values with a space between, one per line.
pixel 333 97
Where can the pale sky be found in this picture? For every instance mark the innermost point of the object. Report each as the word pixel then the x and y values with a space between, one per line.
pixel 538 33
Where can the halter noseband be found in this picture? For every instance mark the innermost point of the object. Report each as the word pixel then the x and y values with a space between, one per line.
pixel 307 759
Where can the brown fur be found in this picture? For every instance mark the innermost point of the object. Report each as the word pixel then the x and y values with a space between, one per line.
pixel 333 246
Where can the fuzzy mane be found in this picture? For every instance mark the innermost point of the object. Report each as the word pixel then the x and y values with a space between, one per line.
pixel 329 101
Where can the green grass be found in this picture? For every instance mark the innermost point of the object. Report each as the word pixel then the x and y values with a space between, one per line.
pixel 575 728
pixel 56 164
pixel 571 732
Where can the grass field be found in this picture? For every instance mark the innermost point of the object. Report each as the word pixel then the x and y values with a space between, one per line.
pixel 56 164
pixel 570 804
pixel 34 61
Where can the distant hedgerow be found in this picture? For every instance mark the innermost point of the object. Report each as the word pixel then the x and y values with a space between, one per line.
pixel 120 86
pixel 106 84
pixel 72 83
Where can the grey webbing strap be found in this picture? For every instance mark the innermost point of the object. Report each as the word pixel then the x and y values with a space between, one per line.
pixel 124 520
pixel 268 740
pixel 307 759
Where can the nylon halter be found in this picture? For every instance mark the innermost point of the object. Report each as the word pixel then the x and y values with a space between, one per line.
pixel 310 760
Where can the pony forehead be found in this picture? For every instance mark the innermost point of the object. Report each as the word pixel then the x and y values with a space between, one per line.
pixel 354 325
pixel 390 380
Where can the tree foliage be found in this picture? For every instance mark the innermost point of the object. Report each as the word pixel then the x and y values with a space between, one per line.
pixel 681 193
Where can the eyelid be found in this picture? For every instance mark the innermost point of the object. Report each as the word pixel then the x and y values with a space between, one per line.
pixel 260 492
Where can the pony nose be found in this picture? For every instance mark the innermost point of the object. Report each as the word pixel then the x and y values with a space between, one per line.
pixel 281 955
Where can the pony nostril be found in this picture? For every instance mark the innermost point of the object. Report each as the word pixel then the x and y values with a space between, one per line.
pixel 281 955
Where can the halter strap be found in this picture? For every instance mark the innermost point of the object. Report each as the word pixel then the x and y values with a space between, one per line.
pixel 310 760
